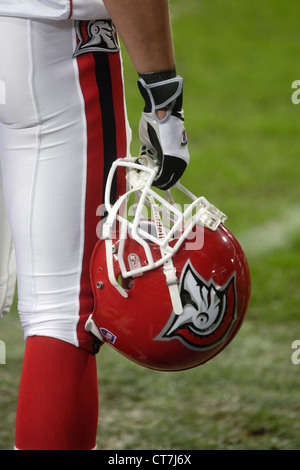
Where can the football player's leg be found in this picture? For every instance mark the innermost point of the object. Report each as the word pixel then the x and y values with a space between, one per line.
pixel 64 124
pixel 55 149
pixel 44 164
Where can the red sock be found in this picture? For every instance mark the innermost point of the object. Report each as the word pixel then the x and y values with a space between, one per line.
pixel 58 397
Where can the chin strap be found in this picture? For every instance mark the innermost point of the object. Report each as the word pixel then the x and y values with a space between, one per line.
pixel 168 266
pixel 172 283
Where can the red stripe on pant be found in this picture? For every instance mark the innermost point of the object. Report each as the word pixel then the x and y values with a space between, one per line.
pixel 95 166
pixel 94 187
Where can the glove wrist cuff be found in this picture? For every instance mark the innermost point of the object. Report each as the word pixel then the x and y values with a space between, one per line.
pixel 155 77
pixel 162 94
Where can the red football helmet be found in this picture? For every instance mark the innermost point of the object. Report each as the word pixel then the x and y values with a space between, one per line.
pixel 171 288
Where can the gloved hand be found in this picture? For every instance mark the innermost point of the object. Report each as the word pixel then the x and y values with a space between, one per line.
pixel 163 139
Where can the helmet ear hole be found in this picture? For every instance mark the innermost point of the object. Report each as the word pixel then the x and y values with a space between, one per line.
pixel 126 283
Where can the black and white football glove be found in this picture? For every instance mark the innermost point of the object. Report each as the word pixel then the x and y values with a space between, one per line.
pixel 163 140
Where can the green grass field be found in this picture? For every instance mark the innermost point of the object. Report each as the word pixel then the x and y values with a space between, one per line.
pixel 239 60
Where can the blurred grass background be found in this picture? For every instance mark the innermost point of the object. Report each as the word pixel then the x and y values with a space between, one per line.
pixel 239 60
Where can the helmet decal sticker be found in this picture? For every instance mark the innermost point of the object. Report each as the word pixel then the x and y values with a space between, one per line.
pixel 108 335
pixel 209 311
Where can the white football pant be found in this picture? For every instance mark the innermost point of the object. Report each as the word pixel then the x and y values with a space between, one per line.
pixel 62 123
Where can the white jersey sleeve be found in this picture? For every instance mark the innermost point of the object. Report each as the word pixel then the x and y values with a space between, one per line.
pixel 54 9
pixel 89 10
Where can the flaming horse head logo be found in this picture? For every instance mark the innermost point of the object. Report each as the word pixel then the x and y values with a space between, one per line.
pixel 208 311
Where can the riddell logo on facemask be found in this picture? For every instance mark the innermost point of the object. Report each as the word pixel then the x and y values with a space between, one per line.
pixel 208 314
pixel 156 222
pixel 2 352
